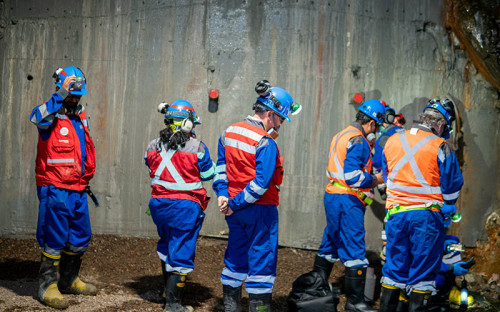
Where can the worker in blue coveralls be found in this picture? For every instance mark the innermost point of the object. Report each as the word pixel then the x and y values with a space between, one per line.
pixel 391 125
pixel 65 163
pixel 423 183
pixel 178 163
pixel 447 291
pixel 249 173
pixel 346 197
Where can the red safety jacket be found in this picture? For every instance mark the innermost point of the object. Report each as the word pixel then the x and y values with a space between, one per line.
pixel 240 161
pixel 175 173
pixel 335 168
pixel 59 158
pixel 413 171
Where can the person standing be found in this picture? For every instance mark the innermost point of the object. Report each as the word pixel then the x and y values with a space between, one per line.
pixel 346 196
pixel 178 163
pixel 423 183
pixel 249 173
pixel 65 163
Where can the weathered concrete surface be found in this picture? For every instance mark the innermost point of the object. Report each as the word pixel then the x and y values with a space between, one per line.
pixel 138 53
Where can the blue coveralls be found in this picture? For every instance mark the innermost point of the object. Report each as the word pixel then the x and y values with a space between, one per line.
pixel 179 221
pixel 344 234
pixel 415 238
pixel 252 249
pixel 63 215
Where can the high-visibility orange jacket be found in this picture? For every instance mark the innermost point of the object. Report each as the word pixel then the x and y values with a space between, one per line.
pixel 413 170
pixel 336 170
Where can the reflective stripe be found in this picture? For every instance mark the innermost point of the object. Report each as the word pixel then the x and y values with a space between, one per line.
pixel 208 173
pixel 60 160
pixel 182 270
pixel 387 281
pixel 177 186
pixel 248 197
pixel 357 263
pixel 85 123
pixel 416 200
pixel 74 249
pixel 180 184
pixel 337 141
pixel 51 253
pixel 231 282
pixel 261 279
pixel 351 175
pixel 234 275
pixel 329 258
pixel 452 196
pixel 257 291
pixel 257 189
pixel 43 111
pixel 240 145
pixel 245 132
pixel 221 168
pixel 423 286
pixel 422 190
pixel 221 176
pixel 61 116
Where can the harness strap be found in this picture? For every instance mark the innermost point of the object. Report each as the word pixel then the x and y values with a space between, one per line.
pixel 398 209
pixel 367 200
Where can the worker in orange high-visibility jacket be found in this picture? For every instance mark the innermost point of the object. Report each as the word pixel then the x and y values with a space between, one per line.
pixel 65 164
pixel 178 163
pixel 423 183
pixel 249 173
pixel 346 196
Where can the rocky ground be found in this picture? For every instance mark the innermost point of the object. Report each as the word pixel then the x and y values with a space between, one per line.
pixel 127 272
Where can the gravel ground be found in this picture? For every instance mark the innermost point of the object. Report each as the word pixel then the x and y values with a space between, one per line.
pixel 127 273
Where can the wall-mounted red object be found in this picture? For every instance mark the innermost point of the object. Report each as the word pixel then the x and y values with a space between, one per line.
pixel 357 98
pixel 213 100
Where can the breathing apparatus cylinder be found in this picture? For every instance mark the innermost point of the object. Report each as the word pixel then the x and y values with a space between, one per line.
pixel 370 282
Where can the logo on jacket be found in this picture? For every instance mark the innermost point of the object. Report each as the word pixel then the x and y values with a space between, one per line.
pixel 64 131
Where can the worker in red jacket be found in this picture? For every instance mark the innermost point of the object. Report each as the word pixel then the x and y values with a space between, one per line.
pixel 178 163
pixel 65 163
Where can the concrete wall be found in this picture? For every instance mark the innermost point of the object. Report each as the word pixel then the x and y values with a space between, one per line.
pixel 138 53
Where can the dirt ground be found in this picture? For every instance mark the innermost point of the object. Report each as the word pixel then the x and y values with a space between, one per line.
pixel 128 274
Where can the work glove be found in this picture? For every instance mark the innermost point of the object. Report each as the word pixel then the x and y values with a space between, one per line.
pixel 448 210
pixel 458 269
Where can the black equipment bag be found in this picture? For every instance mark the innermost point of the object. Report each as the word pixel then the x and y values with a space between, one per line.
pixel 311 293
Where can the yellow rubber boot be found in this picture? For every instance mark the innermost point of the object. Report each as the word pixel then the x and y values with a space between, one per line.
pixel 78 287
pixel 48 293
pixel 69 282
pixel 53 298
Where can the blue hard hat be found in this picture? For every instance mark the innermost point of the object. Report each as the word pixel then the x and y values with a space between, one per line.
pixel 181 109
pixel 373 109
pixel 78 86
pixel 447 109
pixel 278 101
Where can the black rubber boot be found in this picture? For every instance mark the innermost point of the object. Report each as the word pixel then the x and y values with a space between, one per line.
pixel 174 288
pixel 259 302
pixel 232 298
pixel 389 299
pixel 48 292
pixel 323 267
pixel 355 290
pixel 69 282
pixel 418 301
